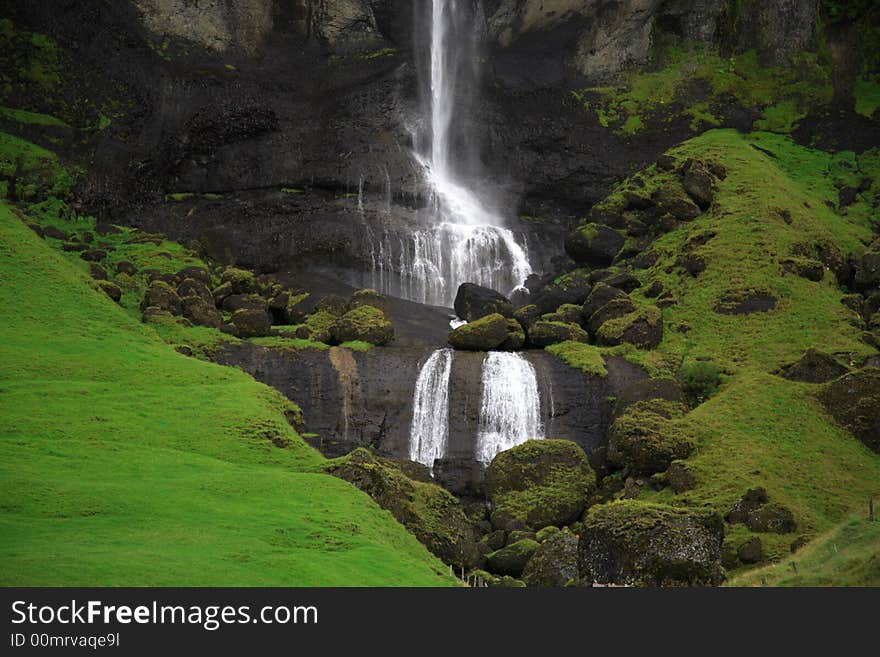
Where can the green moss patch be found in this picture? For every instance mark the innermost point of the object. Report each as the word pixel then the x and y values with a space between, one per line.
pixel 587 358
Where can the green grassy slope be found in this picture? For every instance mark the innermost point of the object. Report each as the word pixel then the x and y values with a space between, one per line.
pixel 849 555
pixel 125 463
pixel 760 429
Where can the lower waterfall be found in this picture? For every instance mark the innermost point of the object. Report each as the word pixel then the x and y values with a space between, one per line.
pixel 429 431
pixel 510 407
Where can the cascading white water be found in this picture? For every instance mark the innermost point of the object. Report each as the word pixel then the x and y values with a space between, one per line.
pixel 429 431
pixel 465 240
pixel 510 409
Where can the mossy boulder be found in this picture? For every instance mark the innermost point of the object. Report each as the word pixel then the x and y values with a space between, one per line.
pixel 431 513
pixel 672 200
pixel 773 518
pixel 642 328
pixel 867 271
pixel 516 336
pixel 125 267
pixel 680 477
pixel 567 313
pixel 638 543
pixel 646 442
pixel 161 295
pixel 97 272
pixel 318 327
pixel 235 302
pixel 698 183
pixel 333 304
pixel 196 273
pixel 249 323
pixel 483 334
pixel 475 301
pixel 555 563
pixel 854 402
pixel 751 500
pixel 112 290
pixel 512 559
pixel 364 323
pixel 368 297
pixel 527 315
pixel 543 333
pixel 812 270
pixel 752 551
pixel 192 287
pixel 240 281
pixel 571 288
pixel 201 312
pixel 745 302
pixel 594 244
pixel 548 531
pixel 601 295
pixel 614 309
pixel 539 483
pixel 814 367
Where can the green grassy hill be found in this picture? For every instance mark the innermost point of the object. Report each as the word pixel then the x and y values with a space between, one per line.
pixel 126 463
pixel 761 429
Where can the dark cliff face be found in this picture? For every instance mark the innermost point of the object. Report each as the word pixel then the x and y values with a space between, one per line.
pixel 352 400
pixel 282 112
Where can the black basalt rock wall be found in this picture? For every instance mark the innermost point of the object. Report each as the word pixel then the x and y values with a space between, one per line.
pixel 352 399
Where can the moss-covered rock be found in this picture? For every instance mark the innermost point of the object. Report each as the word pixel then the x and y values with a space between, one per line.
pixel 161 295
pixel 483 334
pixel 235 302
pixel 614 309
pixel 240 281
pixel 431 513
pixel 474 301
pixel 251 323
pixel 567 313
pixel 594 244
pixel 512 559
pixel 201 312
pixel 637 543
pixel 110 289
pixel 191 287
pixel 601 295
pixel 318 327
pixel 543 333
pixel 808 268
pixel 516 336
pixel 854 402
pixel 365 323
pixel 368 297
pixel 539 483
pixel 571 288
pixel 673 201
pixel 548 531
pixel 752 551
pixel 555 563
pixel 528 315
pixel 814 367
pixel 642 328
pixel 646 442
pixel 773 518
pixel 751 500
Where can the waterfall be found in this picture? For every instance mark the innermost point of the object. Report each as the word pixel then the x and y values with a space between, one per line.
pixel 430 424
pixel 464 239
pixel 510 409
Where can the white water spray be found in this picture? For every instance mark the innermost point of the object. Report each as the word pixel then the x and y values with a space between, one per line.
pixel 429 431
pixel 510 409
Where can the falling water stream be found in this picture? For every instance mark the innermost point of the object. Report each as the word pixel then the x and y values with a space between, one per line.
pixel 510 406
pixel 463 239
pixel 430 424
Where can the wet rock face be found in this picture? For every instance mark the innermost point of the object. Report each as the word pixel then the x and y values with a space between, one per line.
pixel 635 543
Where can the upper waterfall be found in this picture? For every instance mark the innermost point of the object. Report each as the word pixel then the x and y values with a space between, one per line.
pixel 462 236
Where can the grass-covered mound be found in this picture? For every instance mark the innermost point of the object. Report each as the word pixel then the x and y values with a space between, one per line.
pixel 125 463
pixel 777 199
